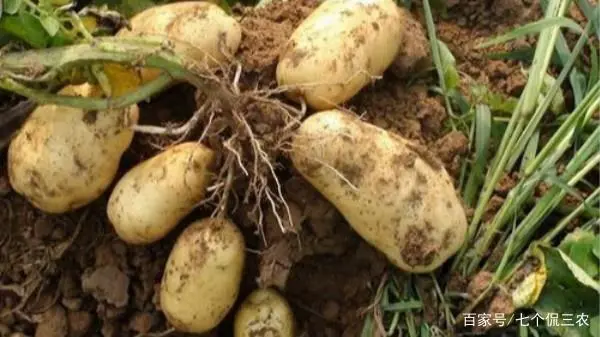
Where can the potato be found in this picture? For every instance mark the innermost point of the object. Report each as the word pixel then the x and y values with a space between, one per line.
pixel 151 199
pixel 338 48
pixel 264 313
pixel 64 158
pixel 394 193
pixel 202 277
pixel 200 31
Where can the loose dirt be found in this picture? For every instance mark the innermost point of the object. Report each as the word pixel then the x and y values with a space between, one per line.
pixel 70 275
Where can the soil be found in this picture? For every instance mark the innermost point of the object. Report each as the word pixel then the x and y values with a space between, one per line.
pixel 70 275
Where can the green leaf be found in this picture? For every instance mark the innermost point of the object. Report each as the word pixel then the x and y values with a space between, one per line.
pixel 558 101
pixel 483 131
pixel 596 249
pixel 579 246
pixel 595 326
pixel 51 25
pixel 451 77
pixel 225 5
pixel 11 6
pixel 27 28
pixel 403 306
pixel 534 27
pixel 568 290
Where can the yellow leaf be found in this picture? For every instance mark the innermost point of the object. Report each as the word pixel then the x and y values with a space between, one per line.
pixel 529 290
pixel 122 79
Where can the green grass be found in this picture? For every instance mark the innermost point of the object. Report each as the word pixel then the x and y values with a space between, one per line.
pixel 512 131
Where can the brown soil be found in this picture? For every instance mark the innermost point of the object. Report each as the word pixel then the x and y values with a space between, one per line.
pixel 70 275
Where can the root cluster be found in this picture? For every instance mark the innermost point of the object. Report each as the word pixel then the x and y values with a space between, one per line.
pixel 249 129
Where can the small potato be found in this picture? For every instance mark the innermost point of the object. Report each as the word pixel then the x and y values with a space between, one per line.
pixel 200 31
pixel 202 277
pixel 337 50
pixel 394 193
pixel 264 313
pixel 64 158
pixel 151 199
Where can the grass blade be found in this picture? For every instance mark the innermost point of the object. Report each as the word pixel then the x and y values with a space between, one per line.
pixel 562 224
pixel 553 149
pixel 591 13
pixel 576 78
pixel 483 131
pixel 403 306
pixel 532 28
pixel 436 54
pixel 595 68
pixel 545 205
pixel 525 107
pixel 541 108
pixel 530 151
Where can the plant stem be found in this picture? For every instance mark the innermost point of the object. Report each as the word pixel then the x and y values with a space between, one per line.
pixel 89 103
pixel 591 199
pixel 47 65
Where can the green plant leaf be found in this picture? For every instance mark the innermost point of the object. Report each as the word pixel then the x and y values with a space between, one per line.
pixel 568 290
pixel 27 28
pixel 579 246
pixel 596 249
pixel 534 27
pixel 595 326
pixel 451 77
pixel 50 23
pixel 11 6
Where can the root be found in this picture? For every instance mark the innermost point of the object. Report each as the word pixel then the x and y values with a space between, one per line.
pixel 169 131
pixel 34 283
pixel 248 131
pixel 375 307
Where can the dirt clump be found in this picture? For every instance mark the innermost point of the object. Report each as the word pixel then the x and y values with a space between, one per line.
pixel 479 283
pixel 409 111
pixel 419 249
pixel 265 32
pixel 53 323
pixel 107 283
pixel 79 323
pixel 414 55
pixel 450 150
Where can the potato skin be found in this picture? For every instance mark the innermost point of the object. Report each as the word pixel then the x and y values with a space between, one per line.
pixel 202 276
pixel 64 158
pixel 151 199
pixel 402 201
pixel 201 31
pixel 264 313
pixel 336 50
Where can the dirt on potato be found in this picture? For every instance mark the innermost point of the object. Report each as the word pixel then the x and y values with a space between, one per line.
pixel 70 275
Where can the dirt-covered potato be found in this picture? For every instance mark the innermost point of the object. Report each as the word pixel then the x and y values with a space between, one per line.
pixel 202 277
pixel 264 313
pixel 151 199
pixel 200 31
pixel 64 158
pixel 338 49
pixel 394 193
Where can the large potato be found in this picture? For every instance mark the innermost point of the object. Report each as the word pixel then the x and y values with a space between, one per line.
pixel 338 48
pixel 395 194
pixel 202 277
pixel 264 313
pixel 151 199
pixel 64 158
pixel 200 31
